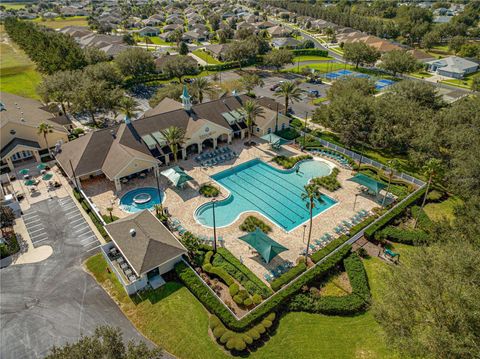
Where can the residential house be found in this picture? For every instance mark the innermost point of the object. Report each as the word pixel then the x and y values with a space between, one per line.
pixel 19 121
pixel 193 36
pixel 453 66
pixel 286 42
pixel 141 251
pixel 217 50
pixel 172 27
pixel 149 31
pixel 279 31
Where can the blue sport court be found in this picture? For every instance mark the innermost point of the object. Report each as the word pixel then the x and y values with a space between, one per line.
pixel 379 84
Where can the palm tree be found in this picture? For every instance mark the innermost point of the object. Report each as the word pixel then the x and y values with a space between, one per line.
pixel 250 81
pixel 158 209
pixel 433 167
pixel 251 110
pixel 175 138
pixel 110 210
pixel 394 164
pixel 44 129
pixel 128 106
pixel 312 193
pixel 290 91
pixel 201 86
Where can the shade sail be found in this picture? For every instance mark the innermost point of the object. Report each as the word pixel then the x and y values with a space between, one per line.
pixel 29 182
pixel 47 176
pixel 24 171
pixel 263 244
pixel 177 176
pixel 369 182
pixel 42 166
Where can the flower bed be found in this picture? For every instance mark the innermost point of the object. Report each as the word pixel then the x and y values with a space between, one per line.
pixel 289 162
pixel 329 182
pixel 251 223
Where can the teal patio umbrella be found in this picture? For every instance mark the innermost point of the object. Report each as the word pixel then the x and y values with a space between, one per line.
pixel 41 166
pixel 369 182
pixel 177 176
pixel 47 176
pixel 24 171
pixel 29 182
pixel 263 244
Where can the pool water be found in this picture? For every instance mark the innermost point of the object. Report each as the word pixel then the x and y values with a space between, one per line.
pixel 276 194
pixel 136 199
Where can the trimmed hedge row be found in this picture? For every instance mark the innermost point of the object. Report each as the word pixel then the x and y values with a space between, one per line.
pixel 310 52
pixel 242 274
pixel 350 304
pixel 401 235
pixel 394 213
pixel 239 341
pixel 288 276
pixel 424 221
pixel 96 221
pixel 329 182
pixel 214 306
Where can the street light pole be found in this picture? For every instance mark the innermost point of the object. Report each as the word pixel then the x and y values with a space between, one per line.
pixel 304 228
pixel 304 130
pixel 214 227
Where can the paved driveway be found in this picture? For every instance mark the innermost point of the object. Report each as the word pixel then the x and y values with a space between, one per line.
pixel 54 301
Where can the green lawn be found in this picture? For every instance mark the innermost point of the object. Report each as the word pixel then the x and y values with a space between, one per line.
pixel 322 67
pixel 154 40
pixel 175 320
pixel 445 209
pixel 421 74
pixel 59 22
pixel 466 82
pixel 319 100
pixel 17 72
pixel 311 58
pixel 13 5
pixel 206 57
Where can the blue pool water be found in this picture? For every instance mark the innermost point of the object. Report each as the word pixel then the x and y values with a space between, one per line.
pixel 276 194
pixel 146 196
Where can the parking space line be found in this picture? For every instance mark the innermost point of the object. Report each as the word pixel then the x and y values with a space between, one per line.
pixel 80 224
pixel 75 215
pixel 35 220
pixel 88 238
pixel 68 206
pixel 28 216
pixel 35 225
pixel 36 230
pixel 91 249
pixel 87 227
pixel 41 240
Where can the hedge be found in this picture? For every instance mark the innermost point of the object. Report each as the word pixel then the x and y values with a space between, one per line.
pixel 214 306
pixel 401 235
pixel 288 133
pixel 310 52
pixel 394 213
pixel 350 304
pixel 424 222
pixel 242 274
pixel 288 276
pixel 96 221
pixel 329 182
pixel 251 223
pixel 239 341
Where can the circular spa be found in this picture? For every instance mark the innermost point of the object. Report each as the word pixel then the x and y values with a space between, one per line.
pixel 140 198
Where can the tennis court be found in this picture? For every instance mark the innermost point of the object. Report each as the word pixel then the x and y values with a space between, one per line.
pixel 379 84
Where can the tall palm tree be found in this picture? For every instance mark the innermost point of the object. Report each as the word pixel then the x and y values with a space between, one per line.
pixel 290 91
pixel 394 164
pixel 250 81
pixel 128 106
pixel 202 86
pixel 433 168
pixel 44 129
pixel 312 193
pixel 175 138
pixel 251 110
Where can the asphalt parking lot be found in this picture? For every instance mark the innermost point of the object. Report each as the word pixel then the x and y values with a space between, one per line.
pixel 54 301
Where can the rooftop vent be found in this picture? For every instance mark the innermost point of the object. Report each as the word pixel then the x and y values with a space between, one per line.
pixel 133 232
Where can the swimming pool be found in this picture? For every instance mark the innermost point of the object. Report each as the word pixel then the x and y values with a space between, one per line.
pixel 276 194
pixel 139 199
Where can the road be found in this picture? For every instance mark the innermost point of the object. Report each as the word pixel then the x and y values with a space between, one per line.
pixel 54 301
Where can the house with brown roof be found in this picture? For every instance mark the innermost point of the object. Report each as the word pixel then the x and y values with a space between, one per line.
pixel 217 50
pixel 134 147
pixel 19 121
pixel 141 251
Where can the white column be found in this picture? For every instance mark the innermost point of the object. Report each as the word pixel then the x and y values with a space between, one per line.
pixel 118 184
pixel 156 170
pixel 242 134
pixel 184 153
pixel 10 163
pixel 167 159
pixel 230 138
pixel 214 143
pixel 37 156
pixel 199 147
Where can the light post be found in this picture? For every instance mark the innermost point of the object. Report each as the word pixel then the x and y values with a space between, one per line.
pixel 214 227
pixel 158 185
pixel 304 228
pixel 305 131
pixel 355 202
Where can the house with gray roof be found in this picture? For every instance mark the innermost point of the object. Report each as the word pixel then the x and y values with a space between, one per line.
pixel 141 251
pixel 452 66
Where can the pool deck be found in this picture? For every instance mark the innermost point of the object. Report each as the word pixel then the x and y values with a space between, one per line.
pixel 182 203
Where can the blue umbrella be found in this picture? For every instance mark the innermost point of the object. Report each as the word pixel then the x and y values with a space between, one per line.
pixel 24 171
pixel 42 166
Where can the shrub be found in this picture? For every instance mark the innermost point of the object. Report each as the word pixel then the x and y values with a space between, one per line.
pixel 219 331
pixel 435 195
pixel 329 182
pixel 251 223
pixel 214 306
pixel 401 235
pixel 257 299
pixel 253 333
pixel 362 252
pixel 394 213
pixel 288 133
pixel 248 302
pixel 350 304
pixel 424 222
pixel 289 162
pixel 209 190
pixel 238 299
pixel 233 289
pixel 289 275
pixel 310 52
pixel 236 343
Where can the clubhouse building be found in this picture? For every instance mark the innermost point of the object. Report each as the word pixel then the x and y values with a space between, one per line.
pixel 135 147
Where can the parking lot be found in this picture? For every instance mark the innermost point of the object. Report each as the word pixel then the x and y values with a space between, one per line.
pixel 55 301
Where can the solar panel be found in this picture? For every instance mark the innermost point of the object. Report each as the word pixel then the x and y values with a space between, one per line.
pixel 238 116
pixel 149 141
pixel 230 119
pixel 159 137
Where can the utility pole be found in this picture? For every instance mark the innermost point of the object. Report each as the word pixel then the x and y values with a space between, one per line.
pixel 214 227
pixel 304 130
